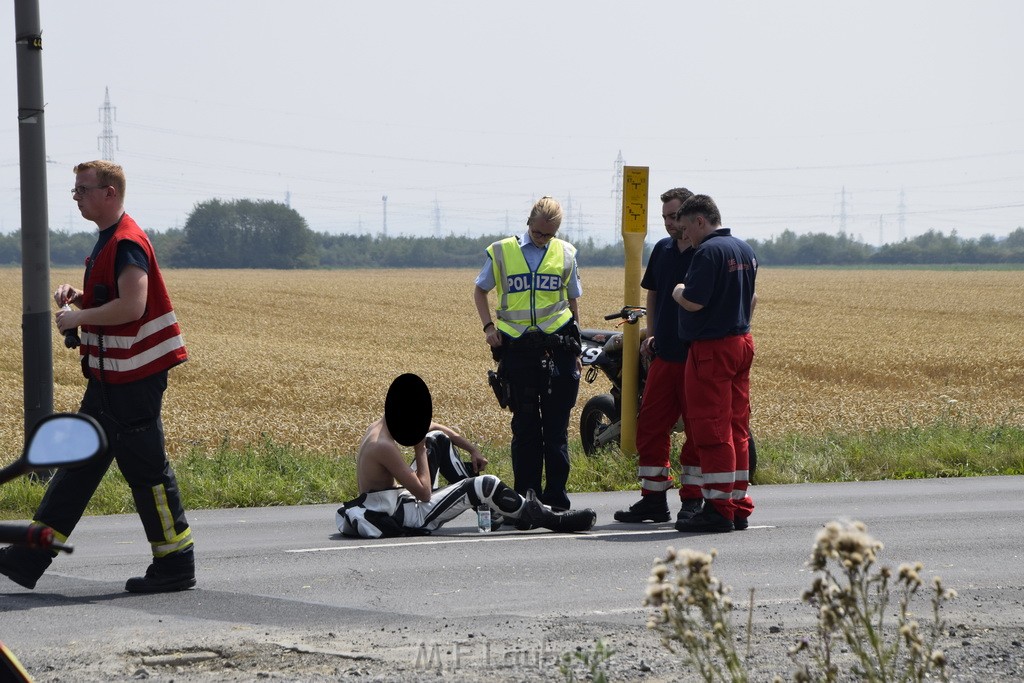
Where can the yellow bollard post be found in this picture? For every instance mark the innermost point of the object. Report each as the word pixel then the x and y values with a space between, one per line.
pixel 634 232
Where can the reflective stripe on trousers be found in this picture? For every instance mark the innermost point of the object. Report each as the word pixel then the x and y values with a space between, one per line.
pixel 664 402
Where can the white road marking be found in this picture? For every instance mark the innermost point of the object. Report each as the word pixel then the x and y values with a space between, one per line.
pixel 499 538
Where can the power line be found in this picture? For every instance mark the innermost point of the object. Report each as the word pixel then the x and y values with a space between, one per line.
pixel 793 168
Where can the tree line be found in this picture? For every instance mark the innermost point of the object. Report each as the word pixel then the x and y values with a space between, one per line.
pixel 264 234
pixel 931 248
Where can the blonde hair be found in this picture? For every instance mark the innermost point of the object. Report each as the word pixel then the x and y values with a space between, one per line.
pixel 546 209
pixel 107 173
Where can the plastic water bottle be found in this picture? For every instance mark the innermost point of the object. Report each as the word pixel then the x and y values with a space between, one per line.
pixel 483 519
pixel 71 339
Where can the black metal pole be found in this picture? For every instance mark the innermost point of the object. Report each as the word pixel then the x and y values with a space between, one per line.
pixel 36 321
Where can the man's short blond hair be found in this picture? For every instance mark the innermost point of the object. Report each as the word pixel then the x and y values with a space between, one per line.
pixel 107 173
pixel 546 209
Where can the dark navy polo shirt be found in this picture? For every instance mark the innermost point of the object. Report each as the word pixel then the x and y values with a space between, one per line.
pixel 721 278
pixel 666 268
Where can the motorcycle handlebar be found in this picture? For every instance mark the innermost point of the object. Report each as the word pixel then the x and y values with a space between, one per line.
pixel 630 314
pixel 32 536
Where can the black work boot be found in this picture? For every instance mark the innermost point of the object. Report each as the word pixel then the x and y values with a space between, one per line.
pixel 652 507
pixel 536 514
pixel 708 520
pixel 24 566
pixel 175 572
pixel 689 508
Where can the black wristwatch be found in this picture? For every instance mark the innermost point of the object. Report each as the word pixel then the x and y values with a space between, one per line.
pixel 489 324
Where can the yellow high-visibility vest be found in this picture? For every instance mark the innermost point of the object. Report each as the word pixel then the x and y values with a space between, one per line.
pixel 531 300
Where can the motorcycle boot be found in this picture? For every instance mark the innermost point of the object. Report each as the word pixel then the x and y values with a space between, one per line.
pixel 652 507
pixel 175 572
pixel 536 514
pixel 24 566
pixel 522 523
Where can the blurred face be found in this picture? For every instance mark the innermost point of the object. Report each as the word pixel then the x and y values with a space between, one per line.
pixel 668 213
pixel 541 231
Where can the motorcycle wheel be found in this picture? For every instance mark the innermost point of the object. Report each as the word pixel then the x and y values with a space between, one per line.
pixel 598 414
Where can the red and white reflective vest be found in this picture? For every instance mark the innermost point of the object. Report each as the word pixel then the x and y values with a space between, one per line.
pixel 143 347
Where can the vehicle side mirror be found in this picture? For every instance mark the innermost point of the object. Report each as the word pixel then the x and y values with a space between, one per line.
pixel 64 439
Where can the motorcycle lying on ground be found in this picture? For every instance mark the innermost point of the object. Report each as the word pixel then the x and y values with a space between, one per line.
pixel 600 419
pixel 57 440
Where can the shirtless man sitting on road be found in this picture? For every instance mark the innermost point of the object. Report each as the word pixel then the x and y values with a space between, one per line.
pixel 397 498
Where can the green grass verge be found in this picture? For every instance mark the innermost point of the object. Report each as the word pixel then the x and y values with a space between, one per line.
pixel 269 473
pixel 939 450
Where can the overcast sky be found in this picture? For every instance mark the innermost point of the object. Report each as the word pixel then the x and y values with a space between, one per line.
pixel 801 115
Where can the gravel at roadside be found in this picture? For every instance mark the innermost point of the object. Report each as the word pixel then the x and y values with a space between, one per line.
pixel 980 645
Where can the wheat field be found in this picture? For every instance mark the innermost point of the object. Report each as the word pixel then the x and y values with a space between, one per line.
pixel 305 357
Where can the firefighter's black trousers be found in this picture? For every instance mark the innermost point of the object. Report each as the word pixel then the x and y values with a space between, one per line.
pixel 130 416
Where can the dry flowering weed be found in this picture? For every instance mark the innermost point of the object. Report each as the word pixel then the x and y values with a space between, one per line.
pixel 691 611
pixel 305 357
pixel 853 601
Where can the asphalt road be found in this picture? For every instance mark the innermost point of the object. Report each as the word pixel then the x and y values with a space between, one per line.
pixel 285 574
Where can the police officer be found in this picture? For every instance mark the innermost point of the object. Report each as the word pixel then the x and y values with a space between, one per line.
pixel 534 334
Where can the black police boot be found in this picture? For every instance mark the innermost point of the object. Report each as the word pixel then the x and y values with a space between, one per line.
pixel 24 566
pixel 536 514
pixel 708 520
pixel 689 508
pixel 175 572
pixel 652 507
